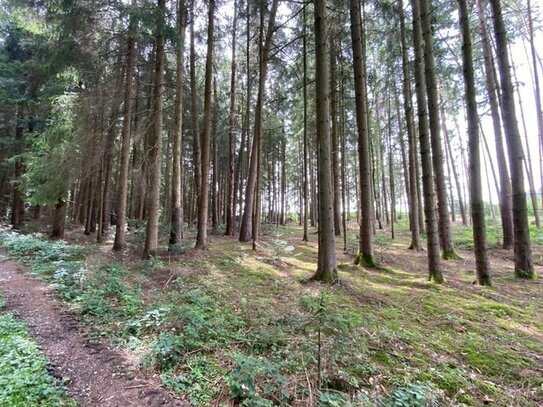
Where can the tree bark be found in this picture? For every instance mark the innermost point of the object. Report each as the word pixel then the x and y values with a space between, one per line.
pixel 537 86
pixel 59 220
pixel 215 197
pixel 203 197
pixel 18 205
pixel 283 180
pixel 411 140
pixel 476 187
pixel 305 169
pixel 448 149
pixel 230 209
pixel 453 169
pixel 391 175
pixel 365 255
pixel 344 194
pixel 327 266
pixel 196 140
pixel 155 140
pixel 334 138
pixel 524 267
pixel 432 237
pixel 437 148
pixel 264 51
pixel 528 158
pixel 492 90
pixel 176 220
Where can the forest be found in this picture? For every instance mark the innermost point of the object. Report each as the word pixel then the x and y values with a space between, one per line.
pixel 271 203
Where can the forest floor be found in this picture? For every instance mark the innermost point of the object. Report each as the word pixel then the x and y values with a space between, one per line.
pixel 230 325
pixel 94 374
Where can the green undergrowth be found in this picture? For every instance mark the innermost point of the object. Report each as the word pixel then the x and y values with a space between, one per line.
pixel 233 325
pixel 24 380
pixel 463 235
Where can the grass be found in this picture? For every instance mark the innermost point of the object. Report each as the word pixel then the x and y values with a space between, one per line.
pixel 230 325
pixel 24 380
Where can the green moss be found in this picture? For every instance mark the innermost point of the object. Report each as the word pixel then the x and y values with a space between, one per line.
pixel 495 360
pixel 383 357
pixel 525 274
pixel 497 309
pixel 450 255
pixel 452 380
pixel 365 260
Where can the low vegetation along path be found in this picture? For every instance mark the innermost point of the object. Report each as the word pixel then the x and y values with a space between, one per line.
pixel 96 375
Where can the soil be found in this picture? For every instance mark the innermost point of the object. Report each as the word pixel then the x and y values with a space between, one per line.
pixel 96 374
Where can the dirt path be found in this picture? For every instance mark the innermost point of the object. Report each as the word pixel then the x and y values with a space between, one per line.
pixel 98 376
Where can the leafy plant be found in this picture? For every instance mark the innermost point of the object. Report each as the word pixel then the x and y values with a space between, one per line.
pixel 332 399
pixel 412 395
pixel 166 351
pixel 24 380
pixel 151 320
pixel 197 380
pixel 256 381
pixel 106 296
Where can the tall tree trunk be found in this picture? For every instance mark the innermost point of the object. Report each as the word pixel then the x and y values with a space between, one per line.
pixel 537 86
pixel 18 205
pixel 264 53
pixel 215 172
pixel 391 175
pixel 492 91
pixel 432 235
pixel 195 116
pixel 450 183
pixel 528 158
pixel 403 152
pixel 59 219
pixel 230 209
pixel 524 267
pixel 238 188
pixel 344 194
pixel 476 187
pixel 334 138
pixel 176 220
pixel 283 180
pixel 305 169
pixel 490 161
pixel 365 255
pixel 444 222
pixel 155 140
pixel 203 197
pixel 408 107
pixel 456 177
pixel 133 164
pixel 464 171
pixel 382 166
pixel 418 170
pixel 327 266
pixel 100 200
pixel 166 196
pixel 489 185
pixel 107 166
pixel 257 209
pixel 314 203
pixel 453 170
pixel 247 116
